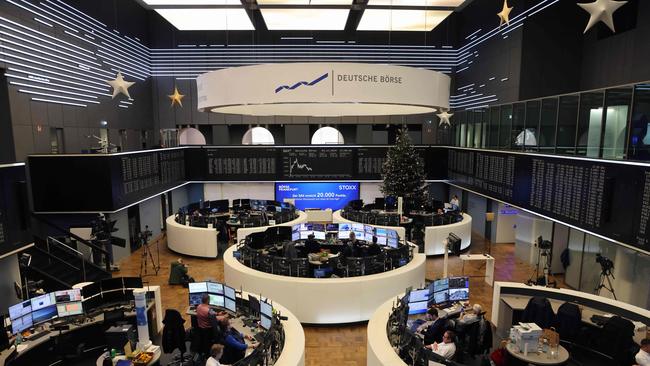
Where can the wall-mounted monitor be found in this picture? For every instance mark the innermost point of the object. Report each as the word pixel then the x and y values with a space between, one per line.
pixel 319 195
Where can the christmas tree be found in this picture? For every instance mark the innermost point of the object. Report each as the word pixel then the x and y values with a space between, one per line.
pixel 403 172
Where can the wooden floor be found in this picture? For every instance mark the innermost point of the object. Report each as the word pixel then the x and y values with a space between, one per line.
pixel 334 345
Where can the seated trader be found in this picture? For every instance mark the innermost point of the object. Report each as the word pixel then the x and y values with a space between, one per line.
pixel 455 203
pixel 351 249
pixel 216 351
pixel 289 250
pixel 373 249
pixel 471 314
pixel 436 328
pixel 311 245
pixel 205 314
pixel 643 357
pixel 235 343
pixel 446 348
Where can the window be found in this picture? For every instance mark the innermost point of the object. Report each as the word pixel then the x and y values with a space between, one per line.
pixel 566 124
pixel 518 134
pixel 327 136
pixel 531 133
pixel 548 119
pixel 505 127
pixel 190 136
pixel 258 136
pixel 618 102
pixel 590 123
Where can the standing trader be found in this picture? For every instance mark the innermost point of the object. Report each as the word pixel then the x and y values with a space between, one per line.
pixel 311 245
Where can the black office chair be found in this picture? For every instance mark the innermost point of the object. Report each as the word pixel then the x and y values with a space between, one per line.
pixel 568 321
pixel 355 266
pixel 281 266
pixel 338 268
pixel 300 267
pixel 265 263
pixel 173 337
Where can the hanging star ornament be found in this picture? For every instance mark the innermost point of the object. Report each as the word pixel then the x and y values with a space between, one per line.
pixel 176 97
pixel 120 86
pixel 504 14
pixel 444 118
pixel 601 11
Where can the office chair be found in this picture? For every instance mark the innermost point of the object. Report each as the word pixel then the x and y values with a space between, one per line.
pixel 174 337
pixel 281 266
pixel 265 263
pixel 337 266
pixel 355 266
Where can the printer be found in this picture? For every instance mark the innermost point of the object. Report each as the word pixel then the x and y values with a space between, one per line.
pixel 526 336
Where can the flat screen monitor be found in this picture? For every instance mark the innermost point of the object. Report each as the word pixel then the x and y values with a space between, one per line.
pixel 441 284
pixel 306 227
pixel 196 287
pixel 43 301
pixel 332 227
pixel 319 235
pixel 231 305
pixel 344 230
pixel 220 205
pixel 229 292
pixel 20 324
pixel 69 309
pixel 72 295
pixel 380 232
pixel 318 227
pixel 418 307
pixel 215 288
pixel 295 235
pixel 91 289
pixel 44 314
pixel 266 309
pixel 392 242
pixel 441 297
pixel 113 297
pixel 359 231
pixel 112 284
pixel 19 310
pixel 266 322
pixel 90 304
pixel 132 282
pixel 458 282
pixel 195 299
pixel 216 300
pixel 253 305
pixel 419 295
pixel 305 234
pixel 458 294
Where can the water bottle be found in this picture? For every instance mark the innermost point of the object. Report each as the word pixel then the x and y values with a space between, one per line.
pixel 19 338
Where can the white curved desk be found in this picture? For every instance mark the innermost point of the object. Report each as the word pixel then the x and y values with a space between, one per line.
pixel 379 350
pixel 243 232
pixel 435 235
pixel 190 240
pixel 326 300
pixel 338 218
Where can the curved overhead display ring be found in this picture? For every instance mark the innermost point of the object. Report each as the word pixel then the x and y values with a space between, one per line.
pixel 322 89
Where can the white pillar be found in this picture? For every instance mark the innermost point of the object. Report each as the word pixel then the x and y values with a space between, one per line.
pixel 141 318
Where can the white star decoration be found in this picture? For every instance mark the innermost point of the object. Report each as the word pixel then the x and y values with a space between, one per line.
pixel 444 118
pixel 504 15
pixel 601 11
pixel 120 85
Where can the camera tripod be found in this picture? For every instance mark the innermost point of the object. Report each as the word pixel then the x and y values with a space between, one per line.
pixel 148 254
pixel 547 278
pixel 605 276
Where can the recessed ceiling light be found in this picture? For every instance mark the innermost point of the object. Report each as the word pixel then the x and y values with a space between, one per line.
pixel 304 2
pixel 207 19
pixel 453 3
pixel 305 19
pixel 191 2
pixel 401 20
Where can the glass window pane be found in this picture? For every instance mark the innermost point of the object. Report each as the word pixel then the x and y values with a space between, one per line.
pixel 618 102
pixel 548 119
pixel 639 144
pixel 572 274
pixel 470 130
pixel 590 123
pixel 531 126
pixel 567 120
pixel 493 140
pixel 517 135
pixel 505 126
pixel 590 268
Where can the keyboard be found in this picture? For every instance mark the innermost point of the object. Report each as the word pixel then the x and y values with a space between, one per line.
pixel 35 336
pixel 259 337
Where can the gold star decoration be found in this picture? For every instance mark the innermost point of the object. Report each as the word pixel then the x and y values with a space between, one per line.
pixel 504 15
pixel 176 97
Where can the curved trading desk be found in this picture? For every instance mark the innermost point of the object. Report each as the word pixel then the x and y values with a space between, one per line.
pixel 326 300
pixel 191 240
pixel 379 349
pixel 243 232
pixel 338 218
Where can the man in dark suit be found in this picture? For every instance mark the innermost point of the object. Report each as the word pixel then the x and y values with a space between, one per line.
pixel 311 245
pixel 373 249
pixel 436 329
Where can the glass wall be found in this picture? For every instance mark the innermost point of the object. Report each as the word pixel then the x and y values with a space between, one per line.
pixel 505 127
pixel 548 124
pixel 567 120
pixel 618 102
pixel 639 142
pixel 518 135
pixel 531 126
pixel 590 125
pixel 493 134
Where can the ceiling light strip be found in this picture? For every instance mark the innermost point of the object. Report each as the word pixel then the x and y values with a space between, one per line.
pixel 22 44
pixel 43 22
pixel 56 96
pixel 37 14
pixel 58 102
pixel 27 85
pixel 128 64
pixel 29 73
pixel 88 91
pixel 80 38
pixel 41 46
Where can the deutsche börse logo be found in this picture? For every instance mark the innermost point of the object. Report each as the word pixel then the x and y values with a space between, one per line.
pixel 294 86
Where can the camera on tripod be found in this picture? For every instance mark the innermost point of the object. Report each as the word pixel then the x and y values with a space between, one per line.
pixel 544 244
pixel 606 275
pixel 606 264
pixel 145 235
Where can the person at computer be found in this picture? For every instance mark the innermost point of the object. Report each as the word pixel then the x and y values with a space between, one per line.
pixel 351 249
pixel 234 343
pixel 435 329
pixel 205 314
pixel 373 249
pixel 455 203
pixel 289 250
pixel 216 351
pixel 471 314
pixel 643 357
pixel 446 348
pixel 311 245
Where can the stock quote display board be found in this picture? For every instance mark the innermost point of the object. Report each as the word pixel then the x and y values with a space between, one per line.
pixel 610 199
pixel 300 163
pixel 102 183
pixel 14 210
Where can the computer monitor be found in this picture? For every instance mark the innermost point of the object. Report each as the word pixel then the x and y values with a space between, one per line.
pixel 113 297
pixel 266 309
pixel 392 240
pixel 43 308
pixel 458 282
pixel 419 295
pixel 229 292
pixel 195 299
pixel 220 205
pixel 332 227
pixel 43 301
pixel 69 309
pixel 344 230
pixel 196 287
pixel 318 227
pixel 391 202
pixel 295 232
pixel 266 322
pixel 441 297
pixel 231 305
pixel 305 234
pixel 306 227
pixel 440 285
pixel 91 289
pixel 19 310
pixel 20 324
pixel 253 305
pixel 458 294
pixel 418 307
pixel 216 300
pixel 369 232
pixel 112 284
pixel 72 295
pixel 359 231
pixel 91 304
pixel 133 282
pixel 215 288
pixel 319 235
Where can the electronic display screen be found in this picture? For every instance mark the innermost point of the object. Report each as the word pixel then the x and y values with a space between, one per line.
pixel 195 299
pixel 332 227
pixel 216 300
pixel 231 305
pixel 392 242
pixel 113 297
pixel 320 235
pixel 132 282
pixel 91 289
pixel 19 310
pixel 215 288
pixel 43 301
pixel 92 303
pixel 441 297
pixel 318 227
pixel 359 231
pixel 196 287
pixel 266 309
pixel 20 324
pixel 458 294
pixel 68 295
pixel 229 292
pixel 44 314
pixel 344 230
pixel 441 284
pixel 295 232
pixel 458 282
pixel 419 295
pixel 265 322
pixel 112 284
pixel 69 309
pixel 305 234
pixel 318 195
pixel 418 307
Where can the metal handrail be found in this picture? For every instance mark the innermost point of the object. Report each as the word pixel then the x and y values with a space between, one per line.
pixel 79 254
